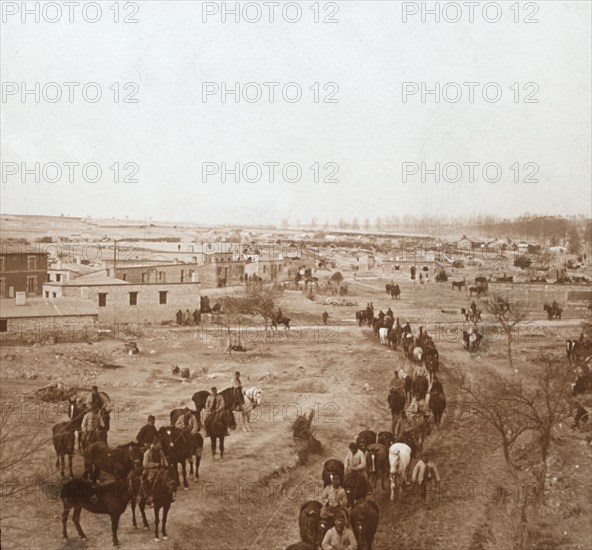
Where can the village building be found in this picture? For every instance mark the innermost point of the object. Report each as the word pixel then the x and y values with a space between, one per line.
pixel 37 320
pixel 22 269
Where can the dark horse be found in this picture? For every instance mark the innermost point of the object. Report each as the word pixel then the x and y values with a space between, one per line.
pixel 437 406
pixel 117 461
pixel 63 438
pixel 281 321
pixel 178 447
pixel 309 521
pixel 396 403
pixel 111 499
pixel 217 427
pixel 161 498
pixel 330 468
pixel 364 522
pixel 356 487
pixel 199 441
pixel 233 401
pixel 365 438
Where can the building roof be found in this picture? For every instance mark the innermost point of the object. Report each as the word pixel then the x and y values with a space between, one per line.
pixel 38 307
pixel 74 268
pixel 98 278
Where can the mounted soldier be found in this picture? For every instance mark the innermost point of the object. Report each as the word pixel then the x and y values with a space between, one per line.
pixel 334 499
pixel 155 464
pixel 214 406
pixel 147 434
pixel 237 387
pixel 93 427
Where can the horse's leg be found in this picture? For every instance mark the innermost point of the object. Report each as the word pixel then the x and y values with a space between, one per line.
pixel 184 472
pixel 70 465
pixel 65 515
pixel 165 513
pixel 142 507
pixel 76 520
pixel 114 525
pixel 221 447
pixel 197 462
pixel 213 445
pixel 62 461
pixel 156 521
pixel 133 505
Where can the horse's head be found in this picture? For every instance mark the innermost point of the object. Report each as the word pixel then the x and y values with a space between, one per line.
pixel 228 419
pixel 135 455
pixel 310 522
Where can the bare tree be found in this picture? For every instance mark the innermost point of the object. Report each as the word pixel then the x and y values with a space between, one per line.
pixel 507 314
pixel 519 411
pixel 258 298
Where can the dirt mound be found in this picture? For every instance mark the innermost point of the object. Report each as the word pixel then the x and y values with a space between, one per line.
pixel 55 393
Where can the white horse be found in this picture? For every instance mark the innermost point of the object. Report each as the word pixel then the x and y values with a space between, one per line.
pixel 383 333
pixel 252 400
pixel 399 461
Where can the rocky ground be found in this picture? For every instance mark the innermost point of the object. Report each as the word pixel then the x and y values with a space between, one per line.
pixel 251 499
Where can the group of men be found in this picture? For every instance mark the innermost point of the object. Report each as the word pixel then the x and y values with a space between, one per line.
pixel 335 505
pixel 425 470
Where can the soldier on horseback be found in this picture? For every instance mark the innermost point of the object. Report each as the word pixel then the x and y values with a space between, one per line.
pixel 334 499
pixel 397 384
pixel 214 405
pixel 187 423
pixel 93 426
pixel 237 389
pixel 147 434
pixel 155 464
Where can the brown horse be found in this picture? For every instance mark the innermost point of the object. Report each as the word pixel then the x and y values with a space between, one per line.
pixel 63 439
pixel 161 499
pixel 110 499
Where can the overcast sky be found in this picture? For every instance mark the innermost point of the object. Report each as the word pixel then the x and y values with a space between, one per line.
pixel 368 133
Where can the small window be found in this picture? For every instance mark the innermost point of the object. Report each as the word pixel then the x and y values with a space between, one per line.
pixel 162 297
pixel 397 268
pixel 3 325
pixel 133 298
pixel 102 299
pixel 124 278
pixel 182 275
pixel 58 277
pixel 55 294
pixel 32 263
pixel 425 268
pixel 47 293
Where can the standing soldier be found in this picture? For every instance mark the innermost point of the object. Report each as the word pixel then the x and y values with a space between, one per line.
pixel 424 472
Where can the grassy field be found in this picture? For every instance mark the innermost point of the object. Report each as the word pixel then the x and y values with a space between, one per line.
pixel 251 499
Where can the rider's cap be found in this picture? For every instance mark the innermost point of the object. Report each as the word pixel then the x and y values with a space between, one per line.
pixel 94 388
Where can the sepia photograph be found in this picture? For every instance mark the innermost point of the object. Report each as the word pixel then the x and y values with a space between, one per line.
pixel 296 275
